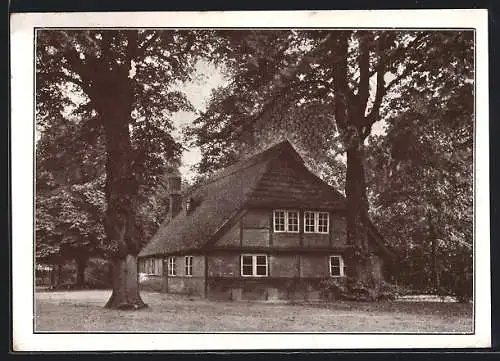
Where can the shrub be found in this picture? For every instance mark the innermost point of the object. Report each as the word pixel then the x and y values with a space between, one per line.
pixel 390 292
pixel 351 289
pixel 333 289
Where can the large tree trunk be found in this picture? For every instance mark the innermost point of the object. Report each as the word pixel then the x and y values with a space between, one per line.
pixel 357 209
pixel 114 97
pixel 125 284
pixel 121 191
pixel 354 128
pixel 357 203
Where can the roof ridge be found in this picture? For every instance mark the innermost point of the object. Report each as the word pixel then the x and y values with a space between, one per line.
pixel 251 162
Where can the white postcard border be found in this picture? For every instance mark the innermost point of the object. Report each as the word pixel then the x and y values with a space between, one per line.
pixel 22 140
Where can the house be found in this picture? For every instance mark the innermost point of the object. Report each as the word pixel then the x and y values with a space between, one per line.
pixel 263 228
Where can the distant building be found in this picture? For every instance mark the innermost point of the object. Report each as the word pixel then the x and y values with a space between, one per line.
pixel 263 228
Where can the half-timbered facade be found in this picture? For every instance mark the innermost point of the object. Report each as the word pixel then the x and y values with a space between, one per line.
pixel 263 228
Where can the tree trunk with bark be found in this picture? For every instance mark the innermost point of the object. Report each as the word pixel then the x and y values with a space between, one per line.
pixel 113 97
pixel 357 202
pixel 354 126
pixel 121 191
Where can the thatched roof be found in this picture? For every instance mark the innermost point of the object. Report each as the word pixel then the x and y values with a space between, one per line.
pixel 276 177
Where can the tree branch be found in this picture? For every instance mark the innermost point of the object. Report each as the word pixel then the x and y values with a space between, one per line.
pixel 374 114
pixel 382 89
pixel 408 70
pixel 343 94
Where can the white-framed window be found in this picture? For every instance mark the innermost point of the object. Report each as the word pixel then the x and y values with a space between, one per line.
pixel 188 265
pixel 336 266
pixel 279 221
pixel 316 222
pixel 323 222
pixel 309 222
pixel 292 221
pixel 286 221
pixel 172 271
pixel 254 265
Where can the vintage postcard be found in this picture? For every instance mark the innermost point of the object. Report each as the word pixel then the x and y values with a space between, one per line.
pixel 250 180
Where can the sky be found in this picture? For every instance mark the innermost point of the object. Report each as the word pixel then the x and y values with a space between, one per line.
pixel 197 91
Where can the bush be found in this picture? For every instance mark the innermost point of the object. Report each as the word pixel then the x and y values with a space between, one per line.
pixel 390 292
pixel 333 289
pixel 351 289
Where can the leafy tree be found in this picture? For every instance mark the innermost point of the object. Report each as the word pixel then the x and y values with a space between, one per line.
pixel 69 196
pixel 423 185
pixel 330 87
pixel 120 84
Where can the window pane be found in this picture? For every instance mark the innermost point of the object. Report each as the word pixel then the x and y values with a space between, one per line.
pixel 323 222
pixel 261 270
pixel 334 271
pixel 171 266
pixel 293 221
pixel 309 221
pixel 279 221
pixel 247 261
pixel 247 270
pixel 334 261
pixel 262 260
pixel 335 266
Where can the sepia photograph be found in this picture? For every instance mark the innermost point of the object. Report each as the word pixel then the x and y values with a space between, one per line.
pixel 255 180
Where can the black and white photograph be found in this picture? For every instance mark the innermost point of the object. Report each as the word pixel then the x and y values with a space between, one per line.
pixel 242 178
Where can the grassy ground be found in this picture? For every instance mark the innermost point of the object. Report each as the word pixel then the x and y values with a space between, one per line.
pixel 83 311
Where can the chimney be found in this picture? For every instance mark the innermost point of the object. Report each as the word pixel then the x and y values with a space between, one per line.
pixel 174 190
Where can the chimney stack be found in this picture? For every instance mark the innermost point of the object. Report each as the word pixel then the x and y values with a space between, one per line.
pixel 174 190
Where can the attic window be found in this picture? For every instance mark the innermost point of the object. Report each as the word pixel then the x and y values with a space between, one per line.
pixel 286 221
pixel 316 222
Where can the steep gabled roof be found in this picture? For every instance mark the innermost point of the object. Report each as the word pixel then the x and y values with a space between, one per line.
pixel 275 176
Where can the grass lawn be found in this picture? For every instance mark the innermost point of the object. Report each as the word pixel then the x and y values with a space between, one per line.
pixel 83 311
